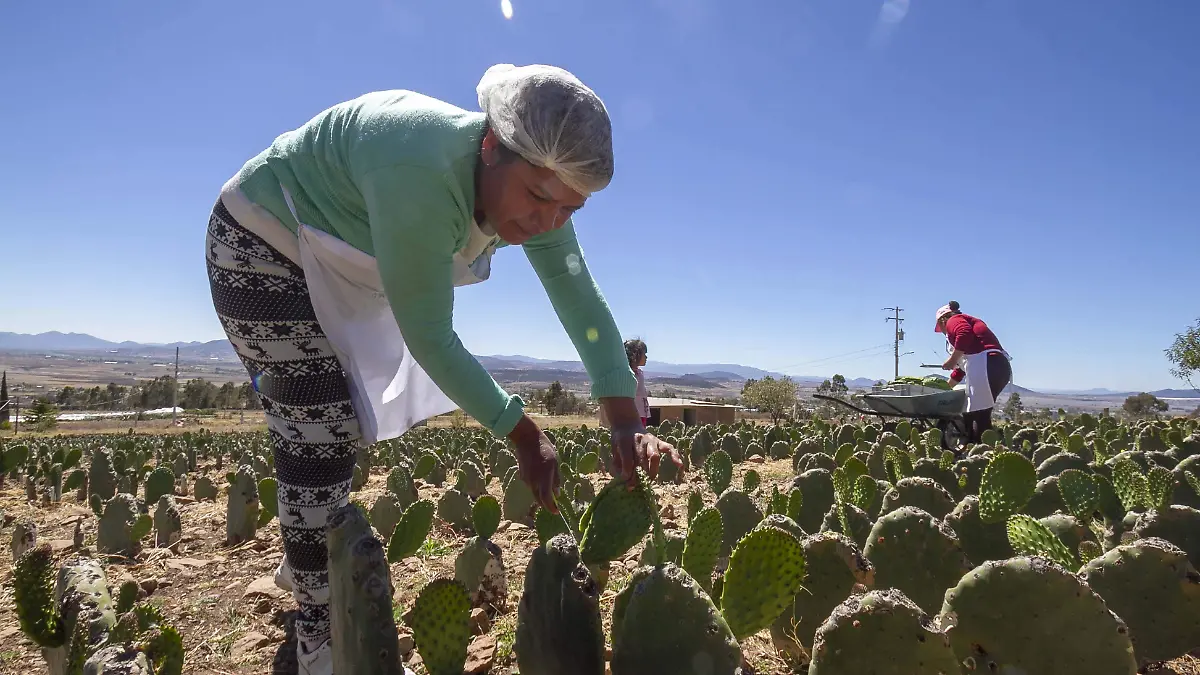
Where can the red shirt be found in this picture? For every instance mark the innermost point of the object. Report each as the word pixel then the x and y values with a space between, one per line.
pixel 970 336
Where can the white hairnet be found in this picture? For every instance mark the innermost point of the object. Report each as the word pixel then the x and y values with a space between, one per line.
pixel 546 115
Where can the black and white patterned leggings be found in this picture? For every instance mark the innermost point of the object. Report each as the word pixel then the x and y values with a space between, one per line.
pixel 262 300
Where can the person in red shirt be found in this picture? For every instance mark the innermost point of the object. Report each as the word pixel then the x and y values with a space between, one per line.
pixel 978 360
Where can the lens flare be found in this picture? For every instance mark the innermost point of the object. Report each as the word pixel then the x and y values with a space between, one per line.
pixel 506 8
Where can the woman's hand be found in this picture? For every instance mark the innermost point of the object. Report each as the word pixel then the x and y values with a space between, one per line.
pixel 631 445
pixel 537 462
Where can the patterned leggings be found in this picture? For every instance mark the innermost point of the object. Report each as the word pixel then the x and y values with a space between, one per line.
pixel 261 298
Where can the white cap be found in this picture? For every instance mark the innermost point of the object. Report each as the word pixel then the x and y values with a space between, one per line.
pixel 942 312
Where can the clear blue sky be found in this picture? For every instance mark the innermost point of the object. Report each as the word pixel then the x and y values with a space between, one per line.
pixel 783 172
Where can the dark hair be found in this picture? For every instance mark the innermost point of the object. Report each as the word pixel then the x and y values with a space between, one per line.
pixel 634 349
pixel 953 305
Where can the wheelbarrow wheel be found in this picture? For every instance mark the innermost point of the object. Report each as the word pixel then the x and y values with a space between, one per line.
pixel 954 435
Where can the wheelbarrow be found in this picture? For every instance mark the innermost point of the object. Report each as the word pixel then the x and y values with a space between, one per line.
pixel 924 407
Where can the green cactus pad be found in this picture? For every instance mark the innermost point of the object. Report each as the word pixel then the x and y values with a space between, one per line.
pixel 718 469
pixel 241 518
pixel 411 531
pixel 616 520
pixel 1030 537
pixel 882 633
pixel 849 520
pixel 1179 525
pixel 702 546
pixel 817 487
pixel 695 505
pixel 268 500
pixel 672 550
pixel 923 493
pixel 519 503
pixel 1061 625
pixel 440 620
pixel 1153 587
pixel 664 623
pixel 1006 487
pixel 486 516
pixel 834 567
pixel 1130 484
pixel 549 525
pixel 750 481
pixel 385 513
pixel 33 592
pixel 1080 493
pixel 1160 483
pixel 795 503
pixel 161 481
pixel 739 515
pixel 479 567
pixel 559 629
pixel 765 573
pixel 916 553
pixel 454 508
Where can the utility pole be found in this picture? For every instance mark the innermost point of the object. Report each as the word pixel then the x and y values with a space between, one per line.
pixel 175 389
pixel 899 335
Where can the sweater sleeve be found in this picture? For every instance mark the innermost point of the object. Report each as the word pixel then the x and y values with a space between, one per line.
pixel 958 332
pixel 580 306
pixel 413 213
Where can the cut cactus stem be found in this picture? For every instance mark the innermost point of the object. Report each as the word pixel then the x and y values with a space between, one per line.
pixel 363 630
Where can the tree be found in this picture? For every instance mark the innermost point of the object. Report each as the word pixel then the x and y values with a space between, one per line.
pixel 1014 408
pixel 1184 354
pixel 1145 405
pixel 838 388
pixel 43 415
pixel 5 415
pixel 775 397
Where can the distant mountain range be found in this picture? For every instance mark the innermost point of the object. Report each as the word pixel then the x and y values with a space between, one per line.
pixel 681 375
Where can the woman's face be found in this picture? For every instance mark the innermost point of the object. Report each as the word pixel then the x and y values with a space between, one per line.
pixel 521 200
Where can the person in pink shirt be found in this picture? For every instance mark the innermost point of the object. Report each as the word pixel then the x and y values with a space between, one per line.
pixel 978 360
pixel 635 349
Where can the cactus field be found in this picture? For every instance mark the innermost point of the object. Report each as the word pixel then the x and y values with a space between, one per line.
pixel 808 547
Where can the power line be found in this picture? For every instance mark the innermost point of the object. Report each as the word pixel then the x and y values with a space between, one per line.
pixel 832 358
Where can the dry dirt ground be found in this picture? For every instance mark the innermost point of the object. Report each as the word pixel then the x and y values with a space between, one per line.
pixel 234 620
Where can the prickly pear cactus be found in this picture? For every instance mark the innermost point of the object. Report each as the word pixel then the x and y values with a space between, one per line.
pixel 1028 536
pixel 1179 525
pixel 765 573
pixel 559 629
pixel 470 480
pixel 385 513
pixel 479 567
pixel 883 633
pixel 24 537
pixel 1080 493
pixel 663 623
pixel 161 481
pixel 400 485
pixel 816 486
pixel 241 518
pixel 718 469
pixel 1151 585
pixel 116 529
pixel 979 540
pixel 673 551
pixel 440 620
pixel 102 479
pixel 834 568
pixel 410 533
pixel 702 546
pixel 519 503
pixel 168 525
pixel 616 520
pixel 362 628
pixel 1007 486
pixel 1064 626
pixel 842 517
pixel 923 493
pixel 204 490
pixel 916 553
pixel 739 515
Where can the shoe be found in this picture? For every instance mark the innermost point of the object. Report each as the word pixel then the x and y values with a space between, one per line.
pixel 283 576
pixel 317 662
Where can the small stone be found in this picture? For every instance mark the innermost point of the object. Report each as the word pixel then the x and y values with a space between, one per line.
pixel 263 607
pixel 250 642
pixel 755 459
pixel 263 587
pixel 407 643
pixel 149 586
pixel 9 632
pixel 667 512
pixel 503 526
pixel 58 545
pixel 517 527
pixel 631 565
pixel 480 655
pixel 480 624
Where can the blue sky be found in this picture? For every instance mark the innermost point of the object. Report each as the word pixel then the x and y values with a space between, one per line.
pixel 783 172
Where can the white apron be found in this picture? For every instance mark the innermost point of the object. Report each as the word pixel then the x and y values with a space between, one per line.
pixel 390 391
pixel 979 389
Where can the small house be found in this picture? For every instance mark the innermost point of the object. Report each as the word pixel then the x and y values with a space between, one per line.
pixel 688 411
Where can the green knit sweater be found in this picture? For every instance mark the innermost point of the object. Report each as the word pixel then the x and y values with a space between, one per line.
pixel 392 173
